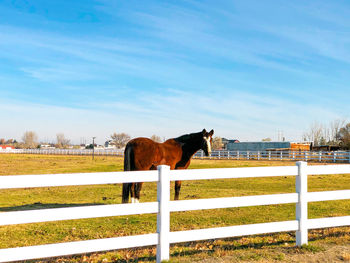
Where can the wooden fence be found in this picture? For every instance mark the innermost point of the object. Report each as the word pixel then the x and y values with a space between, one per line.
pixel 163 207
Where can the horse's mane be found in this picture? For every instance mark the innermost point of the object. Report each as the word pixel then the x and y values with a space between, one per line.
pixel 188 137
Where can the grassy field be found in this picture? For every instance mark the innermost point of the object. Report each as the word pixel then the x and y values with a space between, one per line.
pixel 274 247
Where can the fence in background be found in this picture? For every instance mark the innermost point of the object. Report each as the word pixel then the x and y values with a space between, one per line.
pixel 163 207
pixel 335 157
pixel 103 152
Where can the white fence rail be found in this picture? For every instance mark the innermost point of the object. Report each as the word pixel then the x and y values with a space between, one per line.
pixel 163 207
pixel 320 156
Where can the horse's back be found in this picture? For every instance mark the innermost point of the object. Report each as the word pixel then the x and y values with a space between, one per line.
pixel 144 153
pixel 148 154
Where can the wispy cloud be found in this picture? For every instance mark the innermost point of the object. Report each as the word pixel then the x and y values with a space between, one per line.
pixel 172 67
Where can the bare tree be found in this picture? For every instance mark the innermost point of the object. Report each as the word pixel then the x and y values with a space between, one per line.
pixel 344 136
pixel 321 134
pixel 217 143
pixel 2 141
pixel 10 141
pixel 61 141
pixel 119 140
pixel 156 138
pixel 30 139
pixel 335 127
pixel 315 133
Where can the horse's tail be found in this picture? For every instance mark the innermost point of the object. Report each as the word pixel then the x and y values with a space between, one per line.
pixel 128 159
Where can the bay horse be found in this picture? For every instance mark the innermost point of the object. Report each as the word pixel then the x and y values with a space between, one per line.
pixel 145 154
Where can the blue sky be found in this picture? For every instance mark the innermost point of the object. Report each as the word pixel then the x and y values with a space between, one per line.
pixel 246 69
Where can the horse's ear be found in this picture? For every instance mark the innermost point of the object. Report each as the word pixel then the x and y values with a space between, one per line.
pixel 204 131
pixel 211 133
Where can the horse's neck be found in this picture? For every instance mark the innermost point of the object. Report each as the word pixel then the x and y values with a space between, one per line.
pixel 189 149
pixel 190 144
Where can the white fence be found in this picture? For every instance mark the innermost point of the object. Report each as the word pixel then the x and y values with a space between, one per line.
pixel 320 156
pixel 335 157
pixel 112 152
pixel 164 237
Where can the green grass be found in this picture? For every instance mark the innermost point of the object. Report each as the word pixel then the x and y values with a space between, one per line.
pixel 84 229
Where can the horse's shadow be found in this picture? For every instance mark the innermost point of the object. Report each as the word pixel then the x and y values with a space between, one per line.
pixel 39 205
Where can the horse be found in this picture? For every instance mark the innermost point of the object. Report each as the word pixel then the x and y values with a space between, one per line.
pixel 145 154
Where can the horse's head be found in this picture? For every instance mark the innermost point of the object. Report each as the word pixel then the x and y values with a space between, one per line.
pixel 206 142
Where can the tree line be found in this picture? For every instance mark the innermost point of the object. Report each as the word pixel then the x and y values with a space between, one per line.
pixel 30 141
pixel 334 133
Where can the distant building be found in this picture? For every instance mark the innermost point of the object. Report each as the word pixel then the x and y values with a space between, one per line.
pixel 47 146
pixel 6 147
pixel 233 145
pixel 109 145
pixel 225 142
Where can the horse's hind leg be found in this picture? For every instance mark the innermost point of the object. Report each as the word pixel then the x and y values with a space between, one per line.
pixel 177 189
pixel 138 187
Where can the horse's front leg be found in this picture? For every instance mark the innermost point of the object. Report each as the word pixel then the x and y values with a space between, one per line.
pixel 177 189
pixel 132 192
pixel 138 187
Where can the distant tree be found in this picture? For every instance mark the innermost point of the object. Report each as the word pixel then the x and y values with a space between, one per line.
pixel 323 134
pixel 156 138
pixel 10 141
pixel 334 128
pixel 315 133
pixel 90 146
pixel 323 141
pixel 344 136
pixel 61 141
pixel 266 140
pixel 119 140
pixel 30 139
pixel 2 141
pixel 217 143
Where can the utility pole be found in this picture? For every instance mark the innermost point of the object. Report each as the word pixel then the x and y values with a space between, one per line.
pixel 93 148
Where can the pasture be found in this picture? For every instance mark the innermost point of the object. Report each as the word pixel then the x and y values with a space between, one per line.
pixel 278 247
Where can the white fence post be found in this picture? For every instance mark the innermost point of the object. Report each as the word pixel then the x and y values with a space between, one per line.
pixel 301 206
pixel 163 216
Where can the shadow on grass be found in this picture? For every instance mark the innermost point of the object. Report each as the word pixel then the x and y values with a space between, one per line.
pixel 191 248
pixel 195 248
pixel 321 234
pixel 39 205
